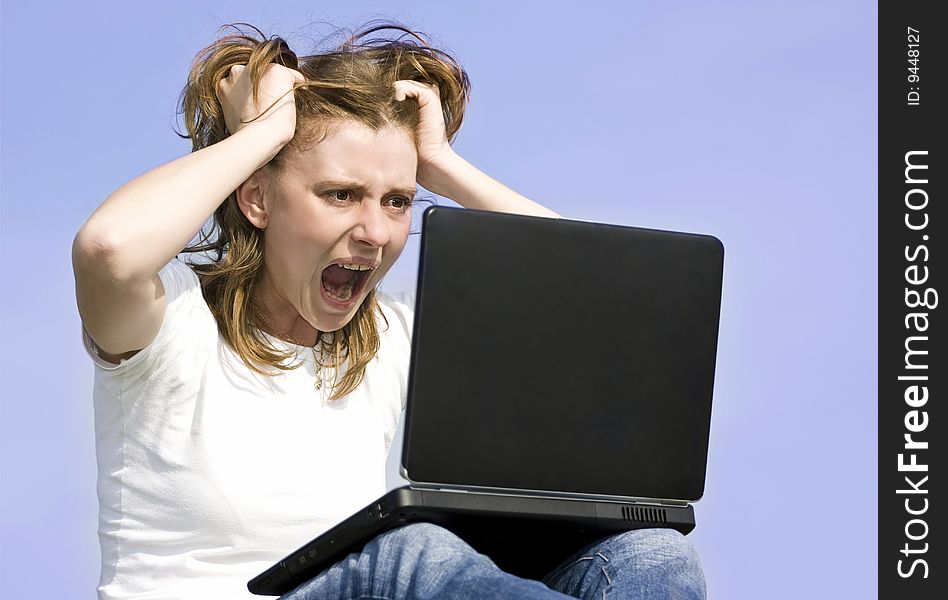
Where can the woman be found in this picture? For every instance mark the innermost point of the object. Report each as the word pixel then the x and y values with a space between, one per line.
pixel 230 394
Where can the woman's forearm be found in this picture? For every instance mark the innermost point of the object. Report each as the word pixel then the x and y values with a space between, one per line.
pixel 150 219
pixel 459 180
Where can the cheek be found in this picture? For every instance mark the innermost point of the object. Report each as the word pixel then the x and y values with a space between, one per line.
pixel 296 248
pixel 304 229
pixel 400 235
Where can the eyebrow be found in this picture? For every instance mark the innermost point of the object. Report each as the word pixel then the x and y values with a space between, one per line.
pixel 355 185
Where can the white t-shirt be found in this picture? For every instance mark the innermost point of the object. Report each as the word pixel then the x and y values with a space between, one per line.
pixel 209 472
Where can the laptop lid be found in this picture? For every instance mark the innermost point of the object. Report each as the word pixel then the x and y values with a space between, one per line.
pixel 562 357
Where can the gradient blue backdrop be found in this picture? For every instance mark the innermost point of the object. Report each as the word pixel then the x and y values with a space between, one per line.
pixel 752 121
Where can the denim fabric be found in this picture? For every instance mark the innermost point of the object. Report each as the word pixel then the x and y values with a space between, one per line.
pixel 425 561
pixel 637 564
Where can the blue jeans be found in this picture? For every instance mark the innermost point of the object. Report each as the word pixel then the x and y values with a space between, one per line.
pixel 422 560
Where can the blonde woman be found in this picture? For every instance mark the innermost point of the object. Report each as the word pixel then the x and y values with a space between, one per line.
pixel 232 392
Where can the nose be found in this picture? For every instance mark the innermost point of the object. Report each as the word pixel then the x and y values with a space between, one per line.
pixel 371 227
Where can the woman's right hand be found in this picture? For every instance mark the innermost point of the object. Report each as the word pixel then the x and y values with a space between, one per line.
pixel 236 98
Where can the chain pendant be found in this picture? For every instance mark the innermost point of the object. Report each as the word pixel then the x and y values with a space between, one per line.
pixel 318 381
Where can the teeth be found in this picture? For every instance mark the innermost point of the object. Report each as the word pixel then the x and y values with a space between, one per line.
pixel 354 267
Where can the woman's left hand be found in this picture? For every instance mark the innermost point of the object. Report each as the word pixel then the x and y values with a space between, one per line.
pixel 442 171
pixel 433 147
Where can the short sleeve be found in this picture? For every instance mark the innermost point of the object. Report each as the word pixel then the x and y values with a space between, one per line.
pixel 183 302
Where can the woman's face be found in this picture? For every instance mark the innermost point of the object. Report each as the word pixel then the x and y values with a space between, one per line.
pixel 336 218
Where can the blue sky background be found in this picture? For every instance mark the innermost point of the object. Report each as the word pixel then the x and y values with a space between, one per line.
pixel 751 121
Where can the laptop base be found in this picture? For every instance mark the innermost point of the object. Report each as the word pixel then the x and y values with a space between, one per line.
pixel 524 535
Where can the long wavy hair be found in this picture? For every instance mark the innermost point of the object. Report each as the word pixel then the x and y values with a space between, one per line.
pixel 353 82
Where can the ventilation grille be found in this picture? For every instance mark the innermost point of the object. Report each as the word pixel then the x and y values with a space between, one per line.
pixel 643 514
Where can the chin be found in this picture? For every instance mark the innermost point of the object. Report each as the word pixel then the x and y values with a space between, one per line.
pixel 334 321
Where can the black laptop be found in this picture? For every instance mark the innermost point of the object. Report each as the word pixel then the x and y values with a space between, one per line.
pixel 559 390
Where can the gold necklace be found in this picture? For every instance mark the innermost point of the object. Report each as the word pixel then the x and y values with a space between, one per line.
pixel 318 381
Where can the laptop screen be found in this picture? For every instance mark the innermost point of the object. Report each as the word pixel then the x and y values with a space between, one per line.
pixel 555 355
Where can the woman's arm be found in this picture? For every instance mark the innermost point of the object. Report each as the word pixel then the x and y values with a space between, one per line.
pixel 145 223
pixel 150 219
pixel 455 178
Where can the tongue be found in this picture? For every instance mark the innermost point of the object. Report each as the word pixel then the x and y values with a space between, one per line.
pixel 335 276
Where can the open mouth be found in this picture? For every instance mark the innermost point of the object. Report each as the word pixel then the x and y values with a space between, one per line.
pixel 343 282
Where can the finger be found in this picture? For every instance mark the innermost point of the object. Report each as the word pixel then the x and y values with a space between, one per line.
pixel 417 85
pixel 234 72
pixel 412 82
pixel 408 87
pixel 399 91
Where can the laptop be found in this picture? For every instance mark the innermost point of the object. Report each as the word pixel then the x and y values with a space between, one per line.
pixel 559 390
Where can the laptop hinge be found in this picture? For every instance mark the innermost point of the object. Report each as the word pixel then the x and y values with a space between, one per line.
pixel 538 493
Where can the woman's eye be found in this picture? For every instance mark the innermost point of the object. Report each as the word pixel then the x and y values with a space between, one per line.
pixel 400 203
